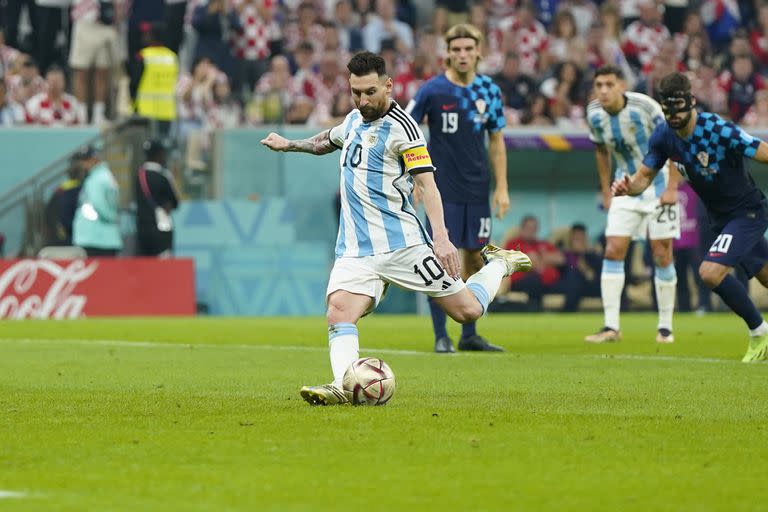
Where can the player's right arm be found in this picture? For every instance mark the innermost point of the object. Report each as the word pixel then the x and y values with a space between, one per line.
pixel 603 160
pixel 320 144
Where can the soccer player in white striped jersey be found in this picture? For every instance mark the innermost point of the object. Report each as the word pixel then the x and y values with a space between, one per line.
pixel 620 125
pixel 381 240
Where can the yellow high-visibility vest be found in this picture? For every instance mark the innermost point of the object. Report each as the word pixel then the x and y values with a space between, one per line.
pixel 156 95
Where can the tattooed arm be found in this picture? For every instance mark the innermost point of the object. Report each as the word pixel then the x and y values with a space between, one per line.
pixel 320 144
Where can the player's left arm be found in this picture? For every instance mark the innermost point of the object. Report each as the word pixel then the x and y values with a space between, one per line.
pixel 497 154
pixel 761 154
pixel 497 151
pixel 445 251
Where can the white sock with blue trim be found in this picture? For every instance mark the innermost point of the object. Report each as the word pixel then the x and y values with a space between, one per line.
pixel 665 283
pixel 611 285
pixel 344 347
pixel 485 282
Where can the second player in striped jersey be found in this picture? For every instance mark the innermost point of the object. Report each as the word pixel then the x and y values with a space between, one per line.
pixel 620 125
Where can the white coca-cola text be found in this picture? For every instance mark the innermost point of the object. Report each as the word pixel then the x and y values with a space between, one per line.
pixel 58 301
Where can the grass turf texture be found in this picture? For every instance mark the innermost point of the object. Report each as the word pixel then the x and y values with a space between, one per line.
pixel 210 418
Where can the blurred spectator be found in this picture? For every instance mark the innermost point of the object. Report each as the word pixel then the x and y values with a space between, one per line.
pixel 348 26
pixel 321 89
pixel 740 83
pixel 692 27
pixel 26 83
pixel 629 12
pixel 583 264
pixel 9 58
pixel 537 113
pixel 154 87
pixel 52 19
pixel 604 50
pixel 11 113
pixel 524 34
pixel 195 95
pixel 54 107
pixel 739 45
pixel 305 28
pixel 686 248
pixel 708 93
pixel 385 26
pixel 722 18
pixel 174 24
pixel 61 207
pixel 96 225
pixel 516 88
pixel 273 93
pixel 565 92
pixel 255 43
pixel 304 60
pixel 406 83
pixel 697 53
pixel 216 27
pixel 642 39
pixel 758 38
pixel 363 11
pixel 225 111
pixel 156 198
pixel 143 15
pixel 584 13
pixel 453 11
pixel 94 41
pixel 491 49
pixel 545 258
pixel 757 115
pixel 610 20
pixel 659 68
pixel 565 43
pixel 666 53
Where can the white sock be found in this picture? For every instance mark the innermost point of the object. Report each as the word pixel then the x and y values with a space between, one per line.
pixel 98 113
pixel 485 282
pixel 760 330
pixel 665 283
pixel 611 285
pixel 344 347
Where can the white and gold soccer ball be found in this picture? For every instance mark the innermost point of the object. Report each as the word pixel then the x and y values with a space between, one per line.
pixel 369 381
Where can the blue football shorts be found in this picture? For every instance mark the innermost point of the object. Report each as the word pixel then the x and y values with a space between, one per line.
pixel 469 224
pixel 741 241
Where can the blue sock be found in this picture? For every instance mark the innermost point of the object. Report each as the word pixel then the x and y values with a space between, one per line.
pixel 469 329
pixel 736 297
pixel 438 320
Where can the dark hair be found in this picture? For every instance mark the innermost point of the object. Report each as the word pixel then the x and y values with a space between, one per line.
pixel 364 63
pixel 609 69
pixel 529 217
pixel 579 226
pixel 674 84
pixel 55 68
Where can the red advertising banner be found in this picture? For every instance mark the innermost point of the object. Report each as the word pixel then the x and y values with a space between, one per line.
pixel 40 288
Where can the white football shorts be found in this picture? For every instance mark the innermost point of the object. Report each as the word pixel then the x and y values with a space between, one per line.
pixel 414 268
pixel 633 217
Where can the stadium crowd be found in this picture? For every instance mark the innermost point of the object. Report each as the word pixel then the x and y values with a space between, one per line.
pixel 250 62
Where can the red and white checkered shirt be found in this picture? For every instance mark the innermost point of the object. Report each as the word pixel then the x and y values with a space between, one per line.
pixel 253 42
pixel 21 92
pixel 643 41
pixel 312 86
pixel 42 110
pixel 293 36
pixel 530 42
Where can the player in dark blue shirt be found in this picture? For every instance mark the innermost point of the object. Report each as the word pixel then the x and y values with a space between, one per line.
pixel 461 106
pixel 709 153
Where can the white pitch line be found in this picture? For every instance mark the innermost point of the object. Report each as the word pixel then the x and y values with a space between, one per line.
pixel 300 348
pixel 4 494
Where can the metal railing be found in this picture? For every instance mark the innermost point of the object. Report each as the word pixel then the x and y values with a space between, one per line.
pixel 22 209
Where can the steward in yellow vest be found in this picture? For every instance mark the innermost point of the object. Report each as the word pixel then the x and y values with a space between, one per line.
pixel 156 91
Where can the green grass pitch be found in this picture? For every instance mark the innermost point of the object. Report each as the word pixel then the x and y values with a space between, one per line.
pixel 204 415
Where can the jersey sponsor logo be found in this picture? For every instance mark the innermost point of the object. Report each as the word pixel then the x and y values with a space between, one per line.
pixel 449 106
pixel 703 158
pixel 416 157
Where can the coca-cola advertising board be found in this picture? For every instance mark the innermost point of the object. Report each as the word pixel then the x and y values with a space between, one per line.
pixel 40 288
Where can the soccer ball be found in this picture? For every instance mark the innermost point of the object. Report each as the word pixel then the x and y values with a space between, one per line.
pixel 369 381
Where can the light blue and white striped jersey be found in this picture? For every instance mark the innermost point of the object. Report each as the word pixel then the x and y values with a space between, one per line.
pixel 377 162
pixel 626 136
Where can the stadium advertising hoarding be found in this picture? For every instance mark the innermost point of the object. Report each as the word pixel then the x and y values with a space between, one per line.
pixel 41 288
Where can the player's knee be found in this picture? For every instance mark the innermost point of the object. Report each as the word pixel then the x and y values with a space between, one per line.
pixel 337 311
pixel 710 275
pixel 466 313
